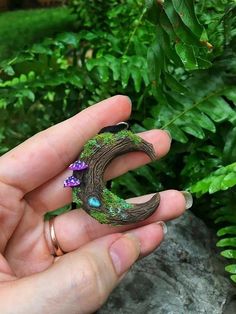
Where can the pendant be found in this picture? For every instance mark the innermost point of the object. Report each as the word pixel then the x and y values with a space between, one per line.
pixel 89 188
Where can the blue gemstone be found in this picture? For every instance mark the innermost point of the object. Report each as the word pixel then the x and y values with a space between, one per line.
pixel 93 201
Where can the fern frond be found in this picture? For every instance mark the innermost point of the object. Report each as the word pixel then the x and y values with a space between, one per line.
pixel 229 242
pixel 222 179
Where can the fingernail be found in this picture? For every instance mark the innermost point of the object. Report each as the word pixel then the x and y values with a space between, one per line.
pixel 188 199
pixel 169 134
pixel 124 252
pixel 163 225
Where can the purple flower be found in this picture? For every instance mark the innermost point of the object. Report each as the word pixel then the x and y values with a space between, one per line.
pixel 71 181
pixel 78 165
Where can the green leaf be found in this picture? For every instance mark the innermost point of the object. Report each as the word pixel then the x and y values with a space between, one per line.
pixel 228 181
pixel 221 179
pixel 226 242
pixel 231 94
pixel 184 34
pixel 148 174
pixel 229 254
pixel 68 38
pixel 153 11
pixel 130 182
pixel 9 70
pixel 23 78
pixel 185 10
pixel 166 46
pixel 76 80
pixel 223 107
pixel 187 56
pixel 177 134
pixel 233 277
pixel 215 184
pixel 217 109
pixel 103 71
pixel 229 152
pixel 3 103
pixel 201 119
pixel 227 230
pixel 231 268
pixel 174 84
pixel 125 74
pixel 26 93
pixel 155 62
pixel 114 65
pixel 226 218
pixel 137 78
pixel 193 130
pixel 57 212
pixel 91 63
pixel 203 64
pixel 167 26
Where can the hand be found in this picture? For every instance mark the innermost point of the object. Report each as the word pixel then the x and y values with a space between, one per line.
pixel 32 280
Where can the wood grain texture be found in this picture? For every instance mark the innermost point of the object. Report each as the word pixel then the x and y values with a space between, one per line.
pixel 112 210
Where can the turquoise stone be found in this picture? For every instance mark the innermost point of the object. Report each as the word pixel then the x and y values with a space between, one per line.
pixel 93 201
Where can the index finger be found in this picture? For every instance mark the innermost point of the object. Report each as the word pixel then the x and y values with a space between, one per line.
pixel 47 153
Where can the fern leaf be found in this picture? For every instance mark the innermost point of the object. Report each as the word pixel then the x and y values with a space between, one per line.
pixel 222 179
pixel 227 230
pixel 229 254
pixel 226 242
pixel 231 268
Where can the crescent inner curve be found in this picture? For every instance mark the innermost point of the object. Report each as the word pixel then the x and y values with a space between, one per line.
pixel 92 193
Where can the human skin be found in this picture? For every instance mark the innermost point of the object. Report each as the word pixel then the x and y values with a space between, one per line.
pixel 97 256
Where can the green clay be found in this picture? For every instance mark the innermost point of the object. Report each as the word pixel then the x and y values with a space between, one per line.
pixel 133 137
pixel 114 202
pixel 107 139
pixel 101 217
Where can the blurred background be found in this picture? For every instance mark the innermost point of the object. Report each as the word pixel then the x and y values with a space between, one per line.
pixel 26 4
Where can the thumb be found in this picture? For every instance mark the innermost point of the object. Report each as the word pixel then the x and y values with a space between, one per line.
pixel 78 282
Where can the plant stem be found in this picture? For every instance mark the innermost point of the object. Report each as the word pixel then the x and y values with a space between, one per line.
pixel 134 31
pixel 192 107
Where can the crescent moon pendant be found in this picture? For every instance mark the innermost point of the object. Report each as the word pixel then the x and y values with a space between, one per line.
pixel 89 187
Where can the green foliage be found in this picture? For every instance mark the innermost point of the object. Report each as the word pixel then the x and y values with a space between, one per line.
pixel 176 61
pixel 21 28
pixel 221 179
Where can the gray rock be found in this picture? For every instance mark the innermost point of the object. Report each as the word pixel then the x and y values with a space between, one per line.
pixel 185 275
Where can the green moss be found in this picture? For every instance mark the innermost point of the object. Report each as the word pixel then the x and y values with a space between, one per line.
pixel 101 217
pixel 107 139
pixel 114 202
pixel 89 147
pixel 75 197
pixel 133 137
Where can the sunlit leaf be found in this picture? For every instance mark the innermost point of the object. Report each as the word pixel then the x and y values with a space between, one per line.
pixel 226 242
pixel 231 268
pixel 229 253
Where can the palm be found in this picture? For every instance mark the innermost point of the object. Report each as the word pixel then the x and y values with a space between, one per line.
pixel 27 251
pixel 31 178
